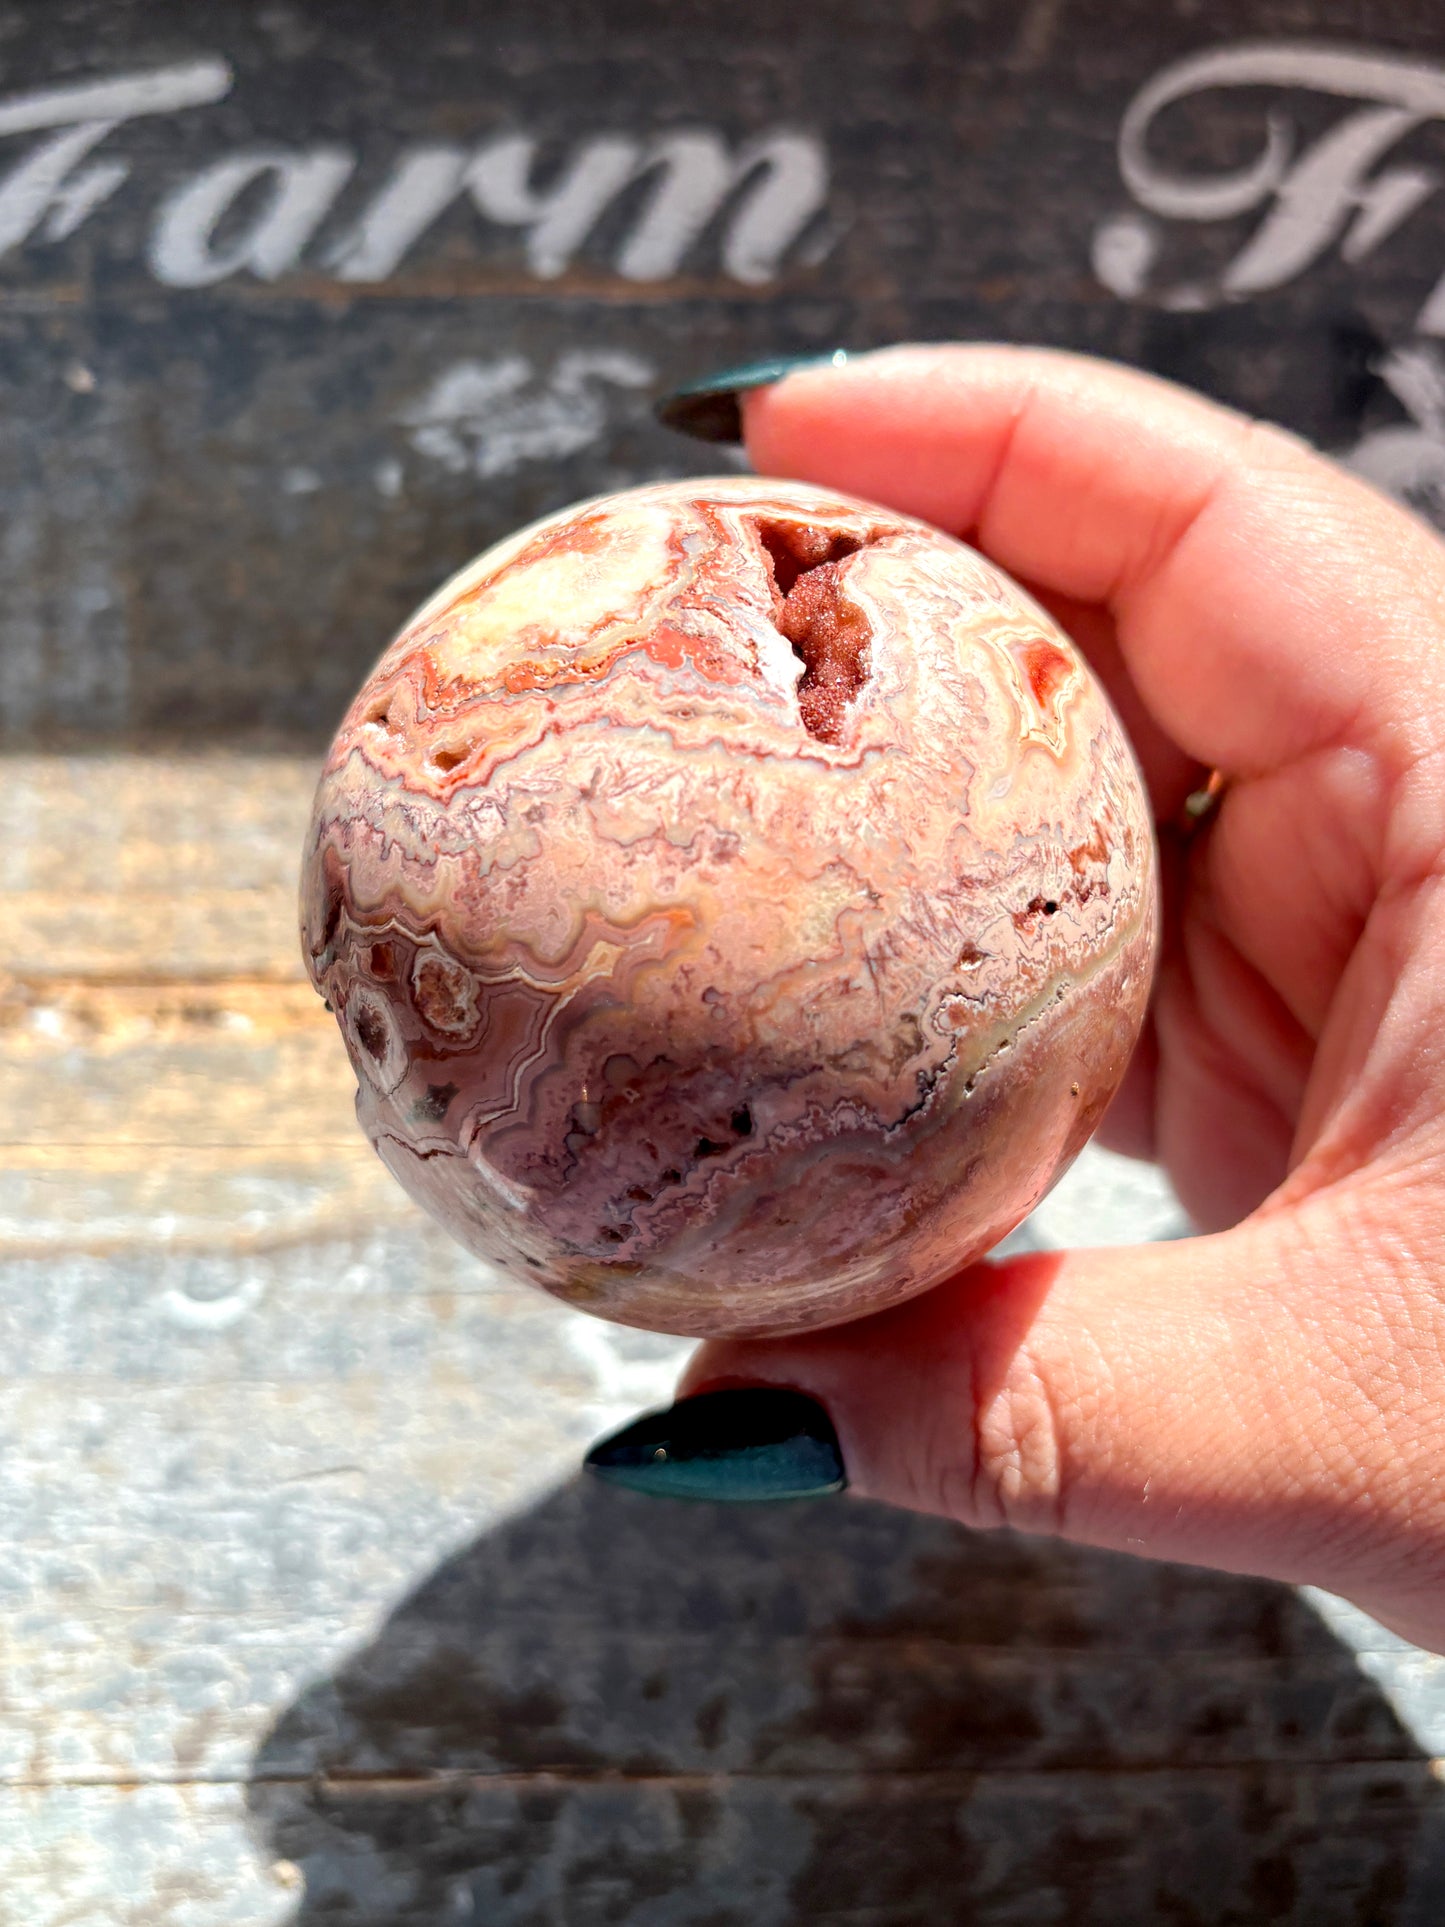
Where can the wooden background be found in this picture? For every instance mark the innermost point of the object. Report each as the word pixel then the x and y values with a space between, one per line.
pixel 305 1615
pixel 221 498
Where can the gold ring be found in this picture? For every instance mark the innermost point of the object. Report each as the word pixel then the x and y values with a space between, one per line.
pixel 1201 804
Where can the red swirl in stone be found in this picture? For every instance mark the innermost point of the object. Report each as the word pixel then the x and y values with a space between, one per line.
pixel 738 902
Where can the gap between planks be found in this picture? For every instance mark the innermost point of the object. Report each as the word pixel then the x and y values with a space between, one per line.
pixel 899 1783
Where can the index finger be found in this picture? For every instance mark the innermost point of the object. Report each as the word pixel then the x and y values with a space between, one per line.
pixel 1268 604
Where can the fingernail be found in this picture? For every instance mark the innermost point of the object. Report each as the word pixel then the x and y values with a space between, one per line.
pixel 708 409
pixel 756 1443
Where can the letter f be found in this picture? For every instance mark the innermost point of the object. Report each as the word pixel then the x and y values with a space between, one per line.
pixel 50 181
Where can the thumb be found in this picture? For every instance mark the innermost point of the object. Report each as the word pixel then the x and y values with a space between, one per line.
pixel 1229 1401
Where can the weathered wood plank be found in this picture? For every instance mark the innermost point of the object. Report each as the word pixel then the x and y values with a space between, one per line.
pixel 1006 1851
pixel 204 1556
pixel 1252 1846
pixel 145 1856
pixel 157 1701
pixel 148 1696
pixel 286 1487
pixel 152 867
pixel 186 1065
pixel 242 437
pixel 58 1200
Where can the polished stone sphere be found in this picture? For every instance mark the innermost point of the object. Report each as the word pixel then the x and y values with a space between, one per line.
pixel 738 902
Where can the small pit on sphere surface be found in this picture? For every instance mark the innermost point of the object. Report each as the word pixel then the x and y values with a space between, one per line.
pixel 829 636
pixel 372 1033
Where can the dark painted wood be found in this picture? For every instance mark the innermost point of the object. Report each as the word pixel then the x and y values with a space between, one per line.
pixel 221 498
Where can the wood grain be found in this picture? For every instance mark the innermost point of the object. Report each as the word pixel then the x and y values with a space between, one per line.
pixel 305 1616
pixel 158 869
pixel 224 497
pixel 165 1069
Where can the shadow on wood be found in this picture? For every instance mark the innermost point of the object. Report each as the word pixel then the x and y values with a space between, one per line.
pixel 616 1710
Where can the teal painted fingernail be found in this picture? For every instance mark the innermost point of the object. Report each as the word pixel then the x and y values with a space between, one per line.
pixel 745 1445
pixel 708 409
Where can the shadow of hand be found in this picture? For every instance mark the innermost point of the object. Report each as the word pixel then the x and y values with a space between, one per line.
pixel 616 1710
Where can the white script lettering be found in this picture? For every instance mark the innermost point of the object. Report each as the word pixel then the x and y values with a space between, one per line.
pixel 489 418
pixel 259 211
pixel 77 119
pixel 1334 190
pixel 300 191
pixel 785 177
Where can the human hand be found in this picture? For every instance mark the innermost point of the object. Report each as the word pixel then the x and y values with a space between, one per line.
pixel 1267 1397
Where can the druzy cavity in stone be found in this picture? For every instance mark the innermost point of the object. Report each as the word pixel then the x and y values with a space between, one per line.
pixel 738 902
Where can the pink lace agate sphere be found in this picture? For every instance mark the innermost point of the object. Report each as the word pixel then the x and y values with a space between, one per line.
pixel 739 904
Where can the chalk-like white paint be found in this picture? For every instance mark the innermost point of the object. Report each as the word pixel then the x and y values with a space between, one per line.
pixel 783 181
pixel 780 183
pixel 49 181
pixel 1337 190
pixel 178 1307
pixel 488 418
pixel 1332 191
pixel 1431 318
pixel 419 189
pixel 1123 252
pixel 300 189
pixel 1407 459
pixel 164 90
pixel 47 184
pixel 761 194
pixel 559 219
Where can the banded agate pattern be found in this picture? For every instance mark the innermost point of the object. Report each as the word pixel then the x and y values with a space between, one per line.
pixel 738 902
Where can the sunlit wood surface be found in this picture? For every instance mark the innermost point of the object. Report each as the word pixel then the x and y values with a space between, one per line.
pixel 305 1615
